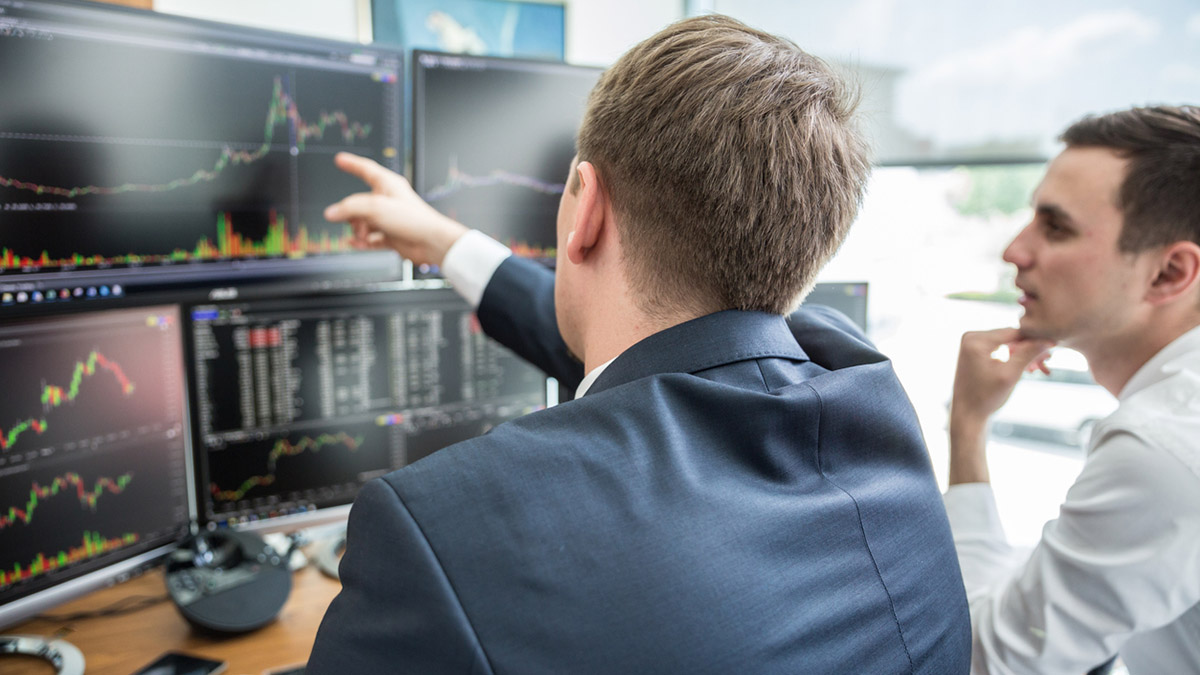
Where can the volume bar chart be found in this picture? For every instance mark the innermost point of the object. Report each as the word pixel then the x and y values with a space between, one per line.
pixel 278 242
pixel 93 544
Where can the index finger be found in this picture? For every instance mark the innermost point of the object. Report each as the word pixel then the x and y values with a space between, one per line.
pixel 1031 352
pixel 366 169
pixel 363 206
pixel 990 340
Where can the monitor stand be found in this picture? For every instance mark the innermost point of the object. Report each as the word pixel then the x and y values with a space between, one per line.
pixel 328 552
pixel 64 656
pixel 289 545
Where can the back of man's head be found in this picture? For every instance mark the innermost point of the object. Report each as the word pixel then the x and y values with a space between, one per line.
pixel 1160 195
pixel 733 162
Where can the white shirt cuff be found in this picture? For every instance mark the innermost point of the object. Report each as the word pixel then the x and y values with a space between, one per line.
pixel 471 262
pixel 972 510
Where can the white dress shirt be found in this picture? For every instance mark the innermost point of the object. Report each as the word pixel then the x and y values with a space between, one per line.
pixel 469 266
pixel 1119 569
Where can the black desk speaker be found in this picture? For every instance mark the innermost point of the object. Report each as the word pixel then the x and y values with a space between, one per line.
pixel 227 581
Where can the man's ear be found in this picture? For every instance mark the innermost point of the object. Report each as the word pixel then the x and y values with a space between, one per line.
pixel 590 208
pixel 1178 272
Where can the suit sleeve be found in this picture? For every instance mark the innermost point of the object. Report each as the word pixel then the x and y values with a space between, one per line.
pixel 397 611
pixel 517 310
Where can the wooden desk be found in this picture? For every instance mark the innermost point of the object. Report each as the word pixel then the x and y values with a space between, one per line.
pixel 118 645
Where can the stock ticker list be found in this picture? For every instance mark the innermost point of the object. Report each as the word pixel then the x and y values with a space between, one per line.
pixel 302 403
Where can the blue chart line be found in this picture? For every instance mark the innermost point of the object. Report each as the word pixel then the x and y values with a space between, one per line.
pixel 456 181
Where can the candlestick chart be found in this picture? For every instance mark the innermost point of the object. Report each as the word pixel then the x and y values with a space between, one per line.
pixel 81 397
pixel 92 451
pixel 292 465
pixel 296 470
pixel 78 382
pixel 53 517
pixel 68 482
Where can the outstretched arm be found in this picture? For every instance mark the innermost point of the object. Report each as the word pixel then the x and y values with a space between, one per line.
pixel 392 215
pixel 982 383
pixel 517 310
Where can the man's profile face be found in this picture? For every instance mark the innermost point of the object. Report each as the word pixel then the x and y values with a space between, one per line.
pixel 1078 287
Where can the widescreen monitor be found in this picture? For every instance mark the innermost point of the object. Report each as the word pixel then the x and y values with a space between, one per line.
pixel 493 140
pixel 847 297
pixel 94 452
pixel 142 150
pixel 300 400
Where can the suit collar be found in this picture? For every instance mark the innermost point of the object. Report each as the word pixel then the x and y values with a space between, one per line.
pixel 709 341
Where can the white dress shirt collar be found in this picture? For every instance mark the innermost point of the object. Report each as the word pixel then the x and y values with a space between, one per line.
pixel 1160 365
pixel 590 379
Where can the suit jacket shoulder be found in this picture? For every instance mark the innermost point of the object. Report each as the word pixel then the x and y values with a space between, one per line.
pixel 719 502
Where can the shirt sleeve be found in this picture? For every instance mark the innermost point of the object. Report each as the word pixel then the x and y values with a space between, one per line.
pixel 984 553
pixel 1120 559
pixel 471 262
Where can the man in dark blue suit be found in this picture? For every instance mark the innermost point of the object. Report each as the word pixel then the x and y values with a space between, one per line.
pixel 732 491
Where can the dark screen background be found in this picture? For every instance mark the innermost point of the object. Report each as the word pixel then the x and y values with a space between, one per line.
pixel 493 142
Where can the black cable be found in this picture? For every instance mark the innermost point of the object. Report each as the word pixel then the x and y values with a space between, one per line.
pixel 126 605
pixel 296 541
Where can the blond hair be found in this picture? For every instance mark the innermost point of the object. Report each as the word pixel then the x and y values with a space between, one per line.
pixel 734 162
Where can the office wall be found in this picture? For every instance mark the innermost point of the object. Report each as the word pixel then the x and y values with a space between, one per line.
pixel 598 31
pixel 336 19
pixel 140 4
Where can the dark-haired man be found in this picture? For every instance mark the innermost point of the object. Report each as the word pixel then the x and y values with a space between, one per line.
pixel 1108 266
pixel 729 493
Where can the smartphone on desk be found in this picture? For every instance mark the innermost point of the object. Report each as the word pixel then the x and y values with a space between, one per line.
pixel 177 663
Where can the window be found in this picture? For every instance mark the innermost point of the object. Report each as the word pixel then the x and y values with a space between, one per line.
pixel 929 242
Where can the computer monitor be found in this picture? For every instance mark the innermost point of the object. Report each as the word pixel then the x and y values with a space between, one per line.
pixel 300 400
pixel 142 150
pixel 847 297
pixel 493 140
pixel 94 453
